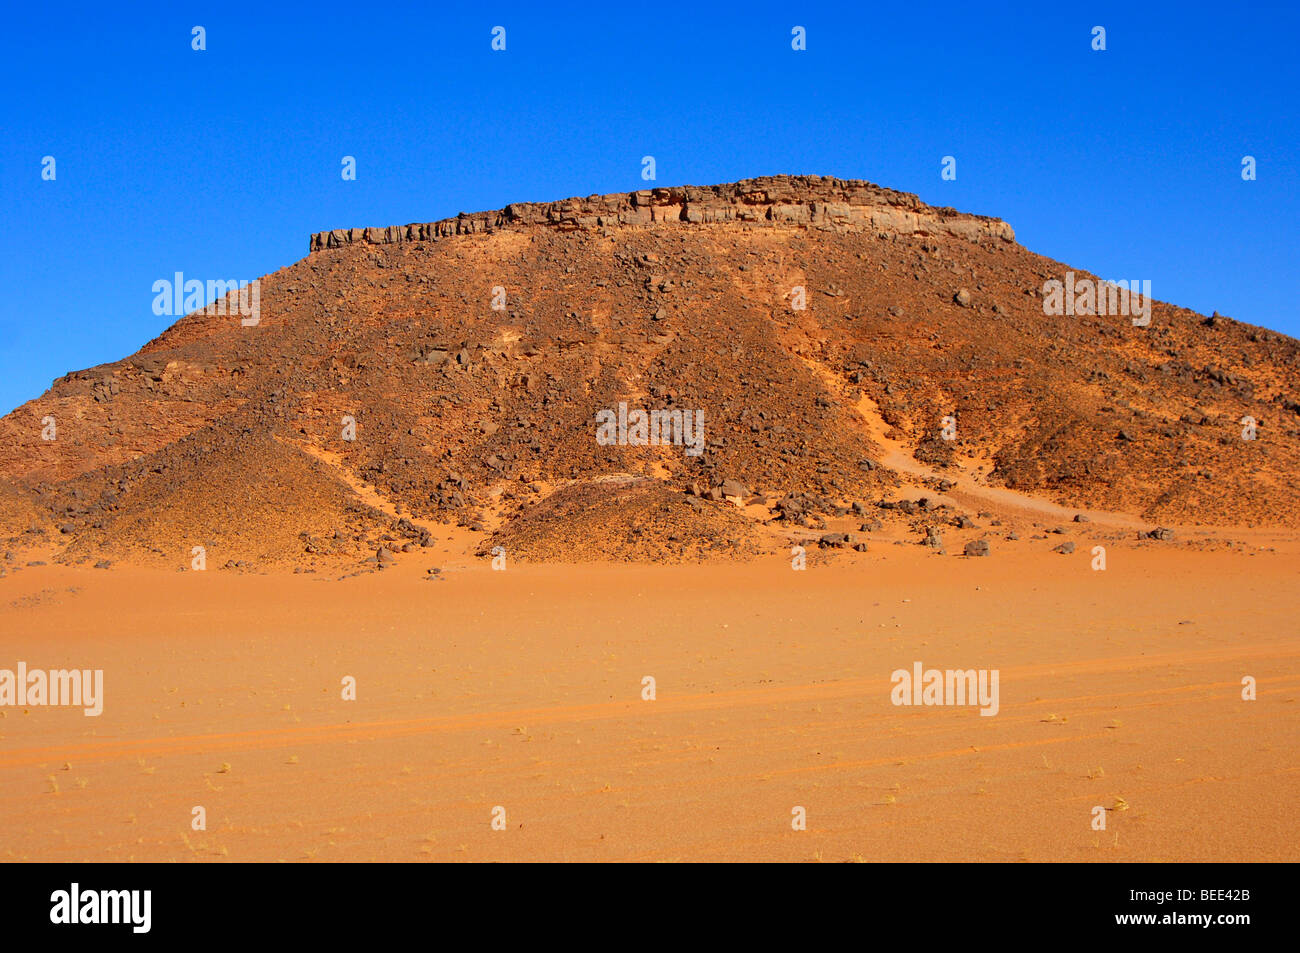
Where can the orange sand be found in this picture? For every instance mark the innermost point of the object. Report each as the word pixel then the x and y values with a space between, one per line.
pixel 523 689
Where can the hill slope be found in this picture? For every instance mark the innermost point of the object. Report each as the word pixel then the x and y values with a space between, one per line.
pixel 683 299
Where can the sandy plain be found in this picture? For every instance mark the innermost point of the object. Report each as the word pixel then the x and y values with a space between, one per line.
pixel 522 689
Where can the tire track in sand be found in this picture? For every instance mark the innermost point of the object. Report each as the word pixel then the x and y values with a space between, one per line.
pixel 574 714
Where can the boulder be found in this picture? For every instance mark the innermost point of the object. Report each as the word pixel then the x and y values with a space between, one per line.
pixel 731 487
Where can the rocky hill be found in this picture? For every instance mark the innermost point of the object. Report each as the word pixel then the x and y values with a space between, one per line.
pixel 455 372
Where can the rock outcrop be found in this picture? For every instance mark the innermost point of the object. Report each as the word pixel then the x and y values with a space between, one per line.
pixel 807 200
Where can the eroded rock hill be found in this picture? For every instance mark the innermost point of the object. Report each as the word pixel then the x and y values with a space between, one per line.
pixel 474 410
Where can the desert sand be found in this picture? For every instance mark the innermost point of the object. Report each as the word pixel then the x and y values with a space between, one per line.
pixel 523 689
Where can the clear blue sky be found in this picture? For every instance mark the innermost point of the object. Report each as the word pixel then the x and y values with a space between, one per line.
pixel 219 164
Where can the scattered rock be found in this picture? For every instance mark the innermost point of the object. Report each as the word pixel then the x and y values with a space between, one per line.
pixel 734 488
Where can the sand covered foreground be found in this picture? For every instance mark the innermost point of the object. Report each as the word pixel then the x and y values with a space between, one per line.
pixel 522 689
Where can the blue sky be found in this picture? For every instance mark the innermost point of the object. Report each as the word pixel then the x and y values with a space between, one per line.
pixel 220 163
